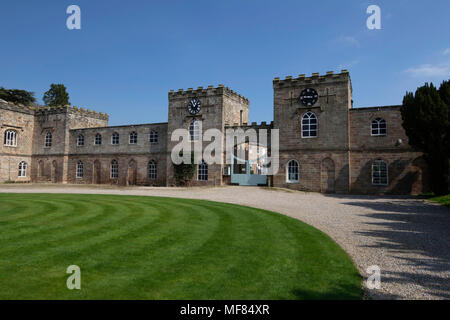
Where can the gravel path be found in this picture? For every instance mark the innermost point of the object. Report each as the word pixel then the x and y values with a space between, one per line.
pixel 408 238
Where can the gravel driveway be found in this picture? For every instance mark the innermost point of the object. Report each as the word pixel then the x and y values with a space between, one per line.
pixel 408 238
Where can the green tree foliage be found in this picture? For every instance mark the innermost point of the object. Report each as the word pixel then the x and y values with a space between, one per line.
pixel 56 95
pixel 426 120
pixel 17 96
pixel 184 172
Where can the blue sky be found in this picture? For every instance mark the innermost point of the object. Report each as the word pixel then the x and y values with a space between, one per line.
pixel 129 54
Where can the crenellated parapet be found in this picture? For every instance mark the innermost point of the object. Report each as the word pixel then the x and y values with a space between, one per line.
pixel 71 110
pixel 45 110
pixel 205 92
pixel 17 107
pixel 315 78
pixel 253 125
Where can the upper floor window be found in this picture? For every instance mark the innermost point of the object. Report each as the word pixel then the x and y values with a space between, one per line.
pixel 379 173
pixel 22 169
pixel 133 137
pixel 203 171
pixel 378 127
pixel 152 170
pixel 292 172
pixel 80 140
pixel 153 136
pixel 114 169
pixel 309 125
pixel 10 138
pixel 48 139
pixel 115 138
pixel 98 139
pixel 80 170
pixel 194 130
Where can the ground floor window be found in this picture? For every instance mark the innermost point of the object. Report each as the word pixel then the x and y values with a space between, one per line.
pixel 203 171
pixel 80 170
pixel 114 169
pixel 292 171
pixel 152 170
pixel 379 173
pixel 22 169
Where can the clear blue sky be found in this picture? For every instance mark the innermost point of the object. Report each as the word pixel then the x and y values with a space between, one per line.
pixel 129 54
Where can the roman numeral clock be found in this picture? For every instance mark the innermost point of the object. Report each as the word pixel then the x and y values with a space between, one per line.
pixel 194 106
pixel 308 97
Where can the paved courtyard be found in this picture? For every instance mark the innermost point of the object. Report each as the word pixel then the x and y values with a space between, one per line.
pixel 408 238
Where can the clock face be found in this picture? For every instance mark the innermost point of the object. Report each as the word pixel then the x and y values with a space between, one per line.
pixel 194 106
pixel 308 97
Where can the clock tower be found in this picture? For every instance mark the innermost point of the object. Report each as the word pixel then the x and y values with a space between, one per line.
pixel 213 107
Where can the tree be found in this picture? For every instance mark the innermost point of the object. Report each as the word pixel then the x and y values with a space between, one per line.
pixel 426 120
pixel 56 95
pixel 17 96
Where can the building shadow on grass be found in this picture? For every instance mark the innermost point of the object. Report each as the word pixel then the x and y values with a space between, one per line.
pixel 405 225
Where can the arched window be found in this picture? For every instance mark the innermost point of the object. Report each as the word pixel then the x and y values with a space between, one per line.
pixel 22 169
pixel 379 173
pixel 194 130
pixel 203 171
pixel 98 139
pixel 378 127
pixel 114 169
pixel 133 137
pixel 153 136
pixel 80 170
pixel 10 138
pixel 152 170
pixel 48 139
pixel 292 171
pixel 115 138
pixel 309 125
pixel 80 140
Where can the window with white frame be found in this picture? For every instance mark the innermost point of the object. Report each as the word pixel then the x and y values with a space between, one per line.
pixel 114 169
pixel 48 139
pixel 152 170
pixel 115 138
pixel 153 136
pixel 378 127
pixel 10 138
pixel 292 171
pixel 80 170
pixel 80 140
pixel 203 171
pixel 309 125
pixel 98 139
pixel 22 169
pixel 133 137
pixel 194 130
pixel 379 173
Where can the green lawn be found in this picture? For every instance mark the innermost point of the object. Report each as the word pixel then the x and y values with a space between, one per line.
pixel 131 247
pixel 444 200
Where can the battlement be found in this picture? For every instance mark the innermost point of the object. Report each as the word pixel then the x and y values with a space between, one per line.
pixel 330 76
pixel 51 110
pixel 73 110
pixel 16 107
pixel 203 92
pixel 253 125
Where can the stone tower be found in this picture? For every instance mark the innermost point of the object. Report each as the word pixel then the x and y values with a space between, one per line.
pixel 325 154
pixel 220 107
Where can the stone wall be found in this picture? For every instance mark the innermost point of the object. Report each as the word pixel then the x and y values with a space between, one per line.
pixel 21 120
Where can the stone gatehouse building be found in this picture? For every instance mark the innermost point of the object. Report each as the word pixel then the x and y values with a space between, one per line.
pixel 325 145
